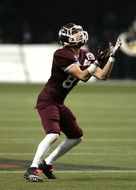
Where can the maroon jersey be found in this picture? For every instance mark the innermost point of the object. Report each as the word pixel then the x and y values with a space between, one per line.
pixel 60 82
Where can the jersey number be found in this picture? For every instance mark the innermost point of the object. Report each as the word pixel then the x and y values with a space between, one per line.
pixel 68 82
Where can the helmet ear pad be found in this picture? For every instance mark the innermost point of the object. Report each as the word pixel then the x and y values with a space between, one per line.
pixel 64 40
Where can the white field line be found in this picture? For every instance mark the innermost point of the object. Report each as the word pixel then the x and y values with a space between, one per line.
pixel 73 154
pixel 110 139
pixel 84 139
pixel 77 171
pixel 4 141
pixel 121 128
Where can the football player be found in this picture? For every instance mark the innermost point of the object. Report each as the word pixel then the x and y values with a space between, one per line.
pixel 71 63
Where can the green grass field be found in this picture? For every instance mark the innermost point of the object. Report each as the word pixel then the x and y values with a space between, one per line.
pixel 106 158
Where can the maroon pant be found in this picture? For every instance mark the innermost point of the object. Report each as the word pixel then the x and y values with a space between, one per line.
pixel 56 118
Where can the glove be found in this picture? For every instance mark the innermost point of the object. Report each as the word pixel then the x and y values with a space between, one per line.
pixel 111 51
pixel 114 49
pixel 103 55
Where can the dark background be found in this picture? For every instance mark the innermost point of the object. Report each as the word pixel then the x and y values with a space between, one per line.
pixel 35 22
pixel 42 16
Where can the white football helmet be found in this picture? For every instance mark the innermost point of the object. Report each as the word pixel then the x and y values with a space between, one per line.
pixel 68 35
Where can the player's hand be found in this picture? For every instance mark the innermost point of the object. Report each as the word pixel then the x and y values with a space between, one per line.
pixel 114 49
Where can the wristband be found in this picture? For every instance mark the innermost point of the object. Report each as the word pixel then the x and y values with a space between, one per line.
pixel 111 59
pixel 96 63
pixel 92 68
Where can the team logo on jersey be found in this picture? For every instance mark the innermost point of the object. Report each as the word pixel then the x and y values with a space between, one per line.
pixel 90 57
pixel 89 60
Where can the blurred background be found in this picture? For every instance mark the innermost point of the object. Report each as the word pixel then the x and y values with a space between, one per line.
pixel 30 23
